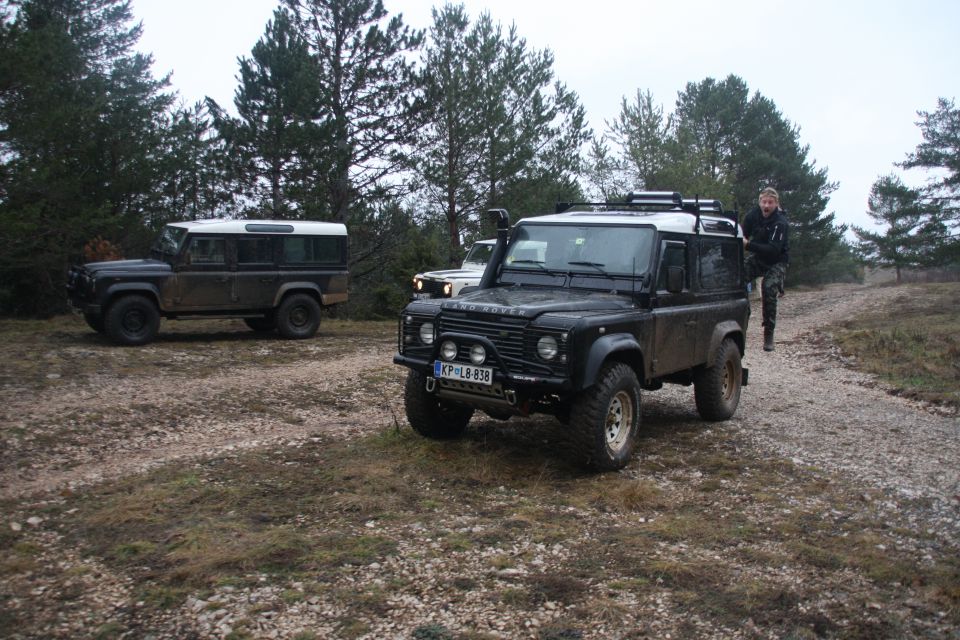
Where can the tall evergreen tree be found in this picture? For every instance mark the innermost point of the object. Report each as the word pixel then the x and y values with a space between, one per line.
pixel 451 145
pixel 913 234
pixel 275 143
pixel 940 152
pixel 80 120
pixel 502 131
pixel 725 144
pixel 643 133
pixel 372 106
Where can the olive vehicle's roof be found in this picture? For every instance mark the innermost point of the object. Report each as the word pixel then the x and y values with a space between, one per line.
pixel 305 227
pixel 672 221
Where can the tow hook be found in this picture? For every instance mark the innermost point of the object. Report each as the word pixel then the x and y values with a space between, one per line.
pixel 431 384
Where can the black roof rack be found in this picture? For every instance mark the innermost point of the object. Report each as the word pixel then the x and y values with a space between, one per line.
pixel 660 200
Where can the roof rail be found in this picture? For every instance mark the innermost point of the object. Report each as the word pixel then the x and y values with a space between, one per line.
pixel 656 198
pixel 667 200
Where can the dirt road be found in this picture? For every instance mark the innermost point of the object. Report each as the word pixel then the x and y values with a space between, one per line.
pixel 803 403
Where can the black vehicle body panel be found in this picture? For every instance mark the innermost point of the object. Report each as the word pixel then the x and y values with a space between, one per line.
pixel 665 336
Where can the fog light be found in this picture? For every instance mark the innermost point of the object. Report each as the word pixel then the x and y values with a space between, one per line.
pixel 547 347
pixel 478 355
pixel 426 333
pixel 448 350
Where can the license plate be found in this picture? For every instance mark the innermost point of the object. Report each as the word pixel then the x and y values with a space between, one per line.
pixel 462 372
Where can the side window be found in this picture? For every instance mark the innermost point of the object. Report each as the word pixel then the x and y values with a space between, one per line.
pixel 673 253
pixel 719 264
pixel 206 250
pixel 254 251
pixel 312 250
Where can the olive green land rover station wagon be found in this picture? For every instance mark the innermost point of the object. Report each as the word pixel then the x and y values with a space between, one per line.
pixel 276 275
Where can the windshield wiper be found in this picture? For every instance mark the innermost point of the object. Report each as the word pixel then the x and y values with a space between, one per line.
pixel 539 263
pixel 595 265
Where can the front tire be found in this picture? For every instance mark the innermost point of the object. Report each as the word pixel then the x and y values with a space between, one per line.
pixel 298 317
pixel 716 388
pixel 132 320
pixel 428 415
pixel 605 418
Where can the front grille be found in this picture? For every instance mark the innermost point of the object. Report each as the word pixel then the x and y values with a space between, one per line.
pixel 433 287
pixel 515 342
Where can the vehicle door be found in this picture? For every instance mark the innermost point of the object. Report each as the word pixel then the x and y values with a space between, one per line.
pixel 719 286
pixel 205 280
pixel 675 310
pixel 257 274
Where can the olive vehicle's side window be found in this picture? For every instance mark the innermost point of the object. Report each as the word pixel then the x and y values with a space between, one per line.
pixel 254 251
pixel 206 250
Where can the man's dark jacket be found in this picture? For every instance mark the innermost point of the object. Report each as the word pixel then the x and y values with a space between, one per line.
pixel 769 237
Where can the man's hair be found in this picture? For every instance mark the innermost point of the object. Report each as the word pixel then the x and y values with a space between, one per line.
pixel 770 191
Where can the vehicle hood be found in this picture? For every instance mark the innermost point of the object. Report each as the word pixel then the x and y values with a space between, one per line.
pixel 127 266
pixel 452 273
pixel 531 303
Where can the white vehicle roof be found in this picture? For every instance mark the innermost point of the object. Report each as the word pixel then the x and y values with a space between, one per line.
pixel 673 221
pixel 304 227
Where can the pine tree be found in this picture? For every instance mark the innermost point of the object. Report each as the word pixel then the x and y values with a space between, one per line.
pixel 275 145
pixel 940 152
pixel 370 94
pixel 80 119
pixel 914 231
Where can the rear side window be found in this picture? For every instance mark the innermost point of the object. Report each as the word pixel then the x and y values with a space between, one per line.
pixel 254 251
pixel 312 250
pixel 206 250
pixel 719 264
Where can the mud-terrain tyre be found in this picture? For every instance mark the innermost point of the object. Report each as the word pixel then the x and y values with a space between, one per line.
pixel 261 325
pixel 298 317
pixel 95 322
pixel 428 415
pixel 132 320
pixel 716 388
pixel 605 419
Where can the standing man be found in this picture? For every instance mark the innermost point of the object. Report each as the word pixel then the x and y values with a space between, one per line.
pixel 765 237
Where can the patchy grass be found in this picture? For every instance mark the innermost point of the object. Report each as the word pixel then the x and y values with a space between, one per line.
pixel 41 354
pixel 500 518
pixel 914 346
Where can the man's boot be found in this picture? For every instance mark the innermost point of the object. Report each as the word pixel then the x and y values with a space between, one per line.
pixel 768 338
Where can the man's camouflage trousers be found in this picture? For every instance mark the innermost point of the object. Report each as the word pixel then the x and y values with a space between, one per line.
pixel 771 286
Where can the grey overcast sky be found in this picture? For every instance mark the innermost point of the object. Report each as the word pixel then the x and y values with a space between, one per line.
pixel 850 74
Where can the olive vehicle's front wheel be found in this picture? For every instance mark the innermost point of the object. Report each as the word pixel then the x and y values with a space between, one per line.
pixel 716 388
pixel 605 418
pixel 132 320
pixel 428 415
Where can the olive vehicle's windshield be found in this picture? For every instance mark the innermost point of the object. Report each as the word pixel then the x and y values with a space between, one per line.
pixel 564 248
pixel 168 242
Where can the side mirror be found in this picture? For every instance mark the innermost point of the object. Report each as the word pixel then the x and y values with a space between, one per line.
pixel 675 278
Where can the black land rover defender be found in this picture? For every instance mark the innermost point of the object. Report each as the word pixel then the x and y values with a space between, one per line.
pixel 576 313
pixel 273 274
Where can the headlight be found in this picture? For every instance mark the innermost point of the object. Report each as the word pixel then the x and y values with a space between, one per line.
pixel 447 288
pixel 448 350
pixel 418 284
pixel 426 333
pixel 547 347
pixel 478 354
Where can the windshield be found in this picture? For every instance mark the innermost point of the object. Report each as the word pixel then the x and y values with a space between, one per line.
pixel 168 242
pixel 479 253
pixel 604 249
